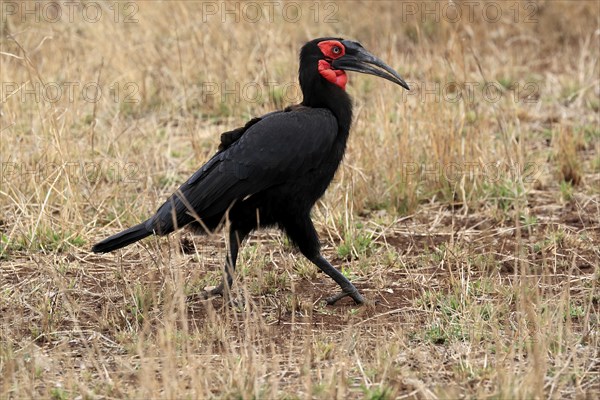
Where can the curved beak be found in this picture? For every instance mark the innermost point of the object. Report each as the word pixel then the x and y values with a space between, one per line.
pixel 360 60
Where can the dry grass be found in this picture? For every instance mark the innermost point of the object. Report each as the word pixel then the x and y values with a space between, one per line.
pixel 472 225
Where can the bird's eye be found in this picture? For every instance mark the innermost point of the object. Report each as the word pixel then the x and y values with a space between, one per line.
pixel 336 50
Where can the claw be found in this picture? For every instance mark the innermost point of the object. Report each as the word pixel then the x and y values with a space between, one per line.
pixel 208 294
pixel 358 299
pixel 220 291
pixel 217 291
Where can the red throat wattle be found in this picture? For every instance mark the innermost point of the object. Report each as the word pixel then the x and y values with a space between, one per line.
pixel 336 76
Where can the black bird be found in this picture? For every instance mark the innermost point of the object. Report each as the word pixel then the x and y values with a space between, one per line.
pixel 271 171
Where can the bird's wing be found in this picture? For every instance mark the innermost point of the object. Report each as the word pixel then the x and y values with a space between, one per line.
pixel 271 151
pixel 230 137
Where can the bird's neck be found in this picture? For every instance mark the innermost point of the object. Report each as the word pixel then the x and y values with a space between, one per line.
pixel 333 98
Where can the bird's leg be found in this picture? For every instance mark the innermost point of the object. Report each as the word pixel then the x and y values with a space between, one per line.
pixel 348 289
pixel 303 233
pixel 235 239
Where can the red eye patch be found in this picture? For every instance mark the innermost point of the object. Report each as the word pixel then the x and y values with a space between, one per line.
pixel 332 49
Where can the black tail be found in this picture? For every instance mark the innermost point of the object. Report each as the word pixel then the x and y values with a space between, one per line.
pixel 122 239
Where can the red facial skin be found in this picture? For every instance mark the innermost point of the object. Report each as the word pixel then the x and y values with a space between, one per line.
pixel 336 76
pixel 328 49
pixel 332 49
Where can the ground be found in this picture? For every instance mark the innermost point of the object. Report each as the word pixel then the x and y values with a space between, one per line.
pixel 466 210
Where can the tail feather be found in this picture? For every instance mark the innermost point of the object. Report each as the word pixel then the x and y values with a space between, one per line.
pixel 122 239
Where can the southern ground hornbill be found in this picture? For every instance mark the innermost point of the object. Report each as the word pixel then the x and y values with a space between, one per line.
pixel 271 171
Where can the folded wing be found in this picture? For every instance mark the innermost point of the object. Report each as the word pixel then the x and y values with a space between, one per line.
pixel 277 148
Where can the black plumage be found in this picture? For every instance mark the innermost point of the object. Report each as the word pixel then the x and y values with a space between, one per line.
pixel 271 171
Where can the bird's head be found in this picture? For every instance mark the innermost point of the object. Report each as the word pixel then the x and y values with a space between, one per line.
pixel 332 57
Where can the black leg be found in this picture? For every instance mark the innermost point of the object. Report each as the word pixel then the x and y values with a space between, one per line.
pixel 348 289
pixel 236 237
pixel 303 233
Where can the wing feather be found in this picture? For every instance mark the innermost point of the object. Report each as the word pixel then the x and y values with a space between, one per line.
pixel 269 152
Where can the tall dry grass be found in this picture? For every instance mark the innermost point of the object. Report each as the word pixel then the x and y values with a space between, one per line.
pixel 473 223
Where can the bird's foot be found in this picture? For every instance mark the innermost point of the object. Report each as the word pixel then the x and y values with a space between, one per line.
pixel 352 292
pixel 217 291
pixel 214 292
pixel 220 291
